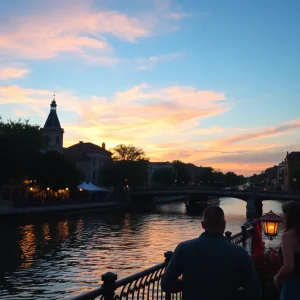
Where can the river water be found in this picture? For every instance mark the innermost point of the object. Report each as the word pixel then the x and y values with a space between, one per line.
pixel 60 258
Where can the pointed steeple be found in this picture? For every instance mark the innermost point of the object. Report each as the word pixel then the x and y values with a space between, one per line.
pixel 52 120
pixel 52 130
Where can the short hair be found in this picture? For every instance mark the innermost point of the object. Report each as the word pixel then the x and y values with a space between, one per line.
pixel 213 216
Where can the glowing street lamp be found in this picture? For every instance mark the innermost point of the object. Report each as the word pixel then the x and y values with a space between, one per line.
pixel 48 188
pixel 270 222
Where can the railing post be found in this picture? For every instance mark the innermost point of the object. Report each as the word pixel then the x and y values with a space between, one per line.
pixel 109 280
pixel 244 233
pixel 228 235
pixel 168 256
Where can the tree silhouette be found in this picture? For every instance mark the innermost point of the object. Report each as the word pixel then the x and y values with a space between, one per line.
pixel 164 176
pixel 128 152
pixel 20 142
pixel 54 170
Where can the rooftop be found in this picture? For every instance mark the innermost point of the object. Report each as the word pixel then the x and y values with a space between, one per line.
pixel 293 156
pixel 79 150
pixel 52 120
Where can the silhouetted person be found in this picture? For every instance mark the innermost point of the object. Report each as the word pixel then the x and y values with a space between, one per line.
pixel 212 267
pixel 288 278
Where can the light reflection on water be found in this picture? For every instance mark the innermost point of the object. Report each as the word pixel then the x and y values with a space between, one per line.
pixel 55 259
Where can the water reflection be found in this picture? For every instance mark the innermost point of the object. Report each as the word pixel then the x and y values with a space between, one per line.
pixel 27 245
pixel 62 230
pixel 57 258
pixel 46 233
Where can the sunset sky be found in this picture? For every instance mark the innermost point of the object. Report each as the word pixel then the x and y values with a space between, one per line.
pixel 211 82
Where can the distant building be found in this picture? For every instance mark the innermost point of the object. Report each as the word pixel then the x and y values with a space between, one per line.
pixel 291 163
pixel 195 173
pixel 271 176
pixel 52 130
pixel 90 159
pixel 153 166
pixel 280 175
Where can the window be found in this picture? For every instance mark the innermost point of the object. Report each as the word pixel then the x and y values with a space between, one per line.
pixel 101 163
pixel 94 160
pixel 57 140
pixel 94 176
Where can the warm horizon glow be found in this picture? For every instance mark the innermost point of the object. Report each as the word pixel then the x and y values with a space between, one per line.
pixel 188 81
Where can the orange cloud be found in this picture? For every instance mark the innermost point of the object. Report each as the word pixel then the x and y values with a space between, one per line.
pixel 146 111
pixel 10 72
pixel 31 102
pixel 267 132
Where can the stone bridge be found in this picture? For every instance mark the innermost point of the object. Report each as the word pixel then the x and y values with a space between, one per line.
pixel 253 198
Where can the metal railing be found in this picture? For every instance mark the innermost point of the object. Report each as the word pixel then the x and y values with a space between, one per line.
pixel 146 284
pixel 142 285
pixel 243 238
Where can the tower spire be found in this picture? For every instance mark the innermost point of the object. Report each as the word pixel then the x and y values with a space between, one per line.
pixel 52 129
pixel 53 103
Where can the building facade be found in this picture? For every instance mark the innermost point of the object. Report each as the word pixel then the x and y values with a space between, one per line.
pixel 280 175
pixel 90 159
pixel 291 164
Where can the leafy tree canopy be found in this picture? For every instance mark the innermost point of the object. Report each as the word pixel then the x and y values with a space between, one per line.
pixel 20 142
pixel 54 170
pixel 128 152
pixel 126 172
pixel 182 174
pixel 164 176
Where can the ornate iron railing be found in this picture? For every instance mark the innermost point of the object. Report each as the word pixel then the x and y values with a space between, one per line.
pixel 146 284
pixel 142 285
pixel 243 238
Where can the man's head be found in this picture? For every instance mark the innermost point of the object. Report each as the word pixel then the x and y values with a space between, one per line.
pixel 214 220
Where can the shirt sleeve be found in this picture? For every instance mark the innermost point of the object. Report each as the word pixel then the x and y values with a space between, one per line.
pixel 250 280
pixel 169 281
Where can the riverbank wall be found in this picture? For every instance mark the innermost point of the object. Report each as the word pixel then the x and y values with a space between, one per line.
pixel 67 209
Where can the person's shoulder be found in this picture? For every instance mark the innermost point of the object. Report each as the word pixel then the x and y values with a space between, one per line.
pixel 289 235
pixel 188 243
pixel 237 249
pixel 290 232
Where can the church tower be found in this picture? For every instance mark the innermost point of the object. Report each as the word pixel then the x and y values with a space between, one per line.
pixel 52 130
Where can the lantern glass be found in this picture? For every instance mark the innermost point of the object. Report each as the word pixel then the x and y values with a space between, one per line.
pixel 270 222
pixel 270 229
